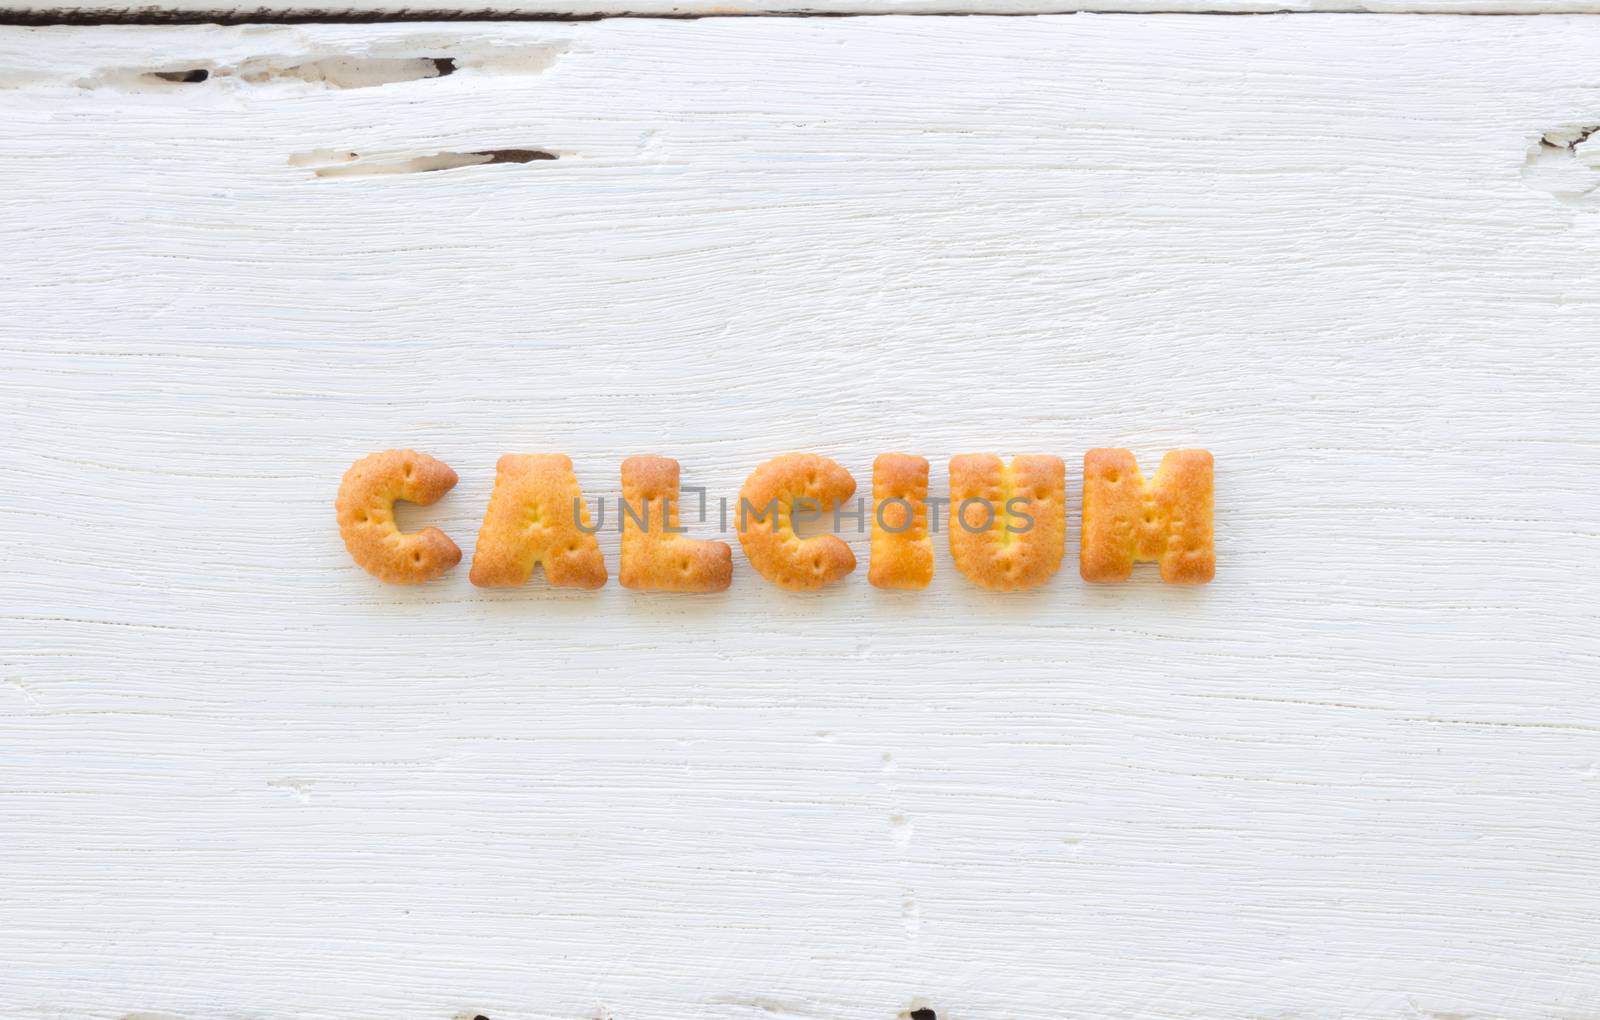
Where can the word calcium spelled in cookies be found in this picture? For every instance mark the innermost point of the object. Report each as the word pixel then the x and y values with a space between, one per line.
pixel 1007 522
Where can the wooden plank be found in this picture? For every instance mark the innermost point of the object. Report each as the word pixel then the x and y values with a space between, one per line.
pixel 231 11
pixel 1355 777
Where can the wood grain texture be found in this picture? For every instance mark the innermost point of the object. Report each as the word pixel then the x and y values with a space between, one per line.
pixel 235 11
pixel 1356 777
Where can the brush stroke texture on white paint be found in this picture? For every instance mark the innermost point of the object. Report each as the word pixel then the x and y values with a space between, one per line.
pixel 234 10
pixel 1358 776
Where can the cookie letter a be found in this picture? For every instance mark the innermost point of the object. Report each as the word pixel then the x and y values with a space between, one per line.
pixel 533 518
pixel 1008 527
pixel 766 528
pixel 366 516
pixel 1127 519
pixel 655 557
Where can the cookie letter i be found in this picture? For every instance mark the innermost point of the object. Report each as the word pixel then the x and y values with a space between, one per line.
pixel 902 552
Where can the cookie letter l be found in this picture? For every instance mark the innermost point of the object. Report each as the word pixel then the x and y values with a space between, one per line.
pixel 655 557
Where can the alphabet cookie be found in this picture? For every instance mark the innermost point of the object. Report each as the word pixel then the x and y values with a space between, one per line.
pixel 766 527
pixel 532 519
pixel 654 556
pixel 365 507
pixel 902 552
pixel 1167 519
pixel 1007 524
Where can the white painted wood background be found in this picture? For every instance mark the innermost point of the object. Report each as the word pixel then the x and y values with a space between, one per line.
pixel 1358 776
pixel 257 10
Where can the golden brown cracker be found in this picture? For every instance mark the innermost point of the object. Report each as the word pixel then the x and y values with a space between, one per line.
pixel 532 518
pixel 766 529
pixel 1167 519
pixel 365 508
pixel 655 557
pixel 1007 523
pixel 902 552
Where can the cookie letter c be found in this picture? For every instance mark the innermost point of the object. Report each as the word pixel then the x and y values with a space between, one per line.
pixel 766 528
pixel 366 516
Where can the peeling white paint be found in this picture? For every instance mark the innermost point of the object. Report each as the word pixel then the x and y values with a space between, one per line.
pixel 1354 778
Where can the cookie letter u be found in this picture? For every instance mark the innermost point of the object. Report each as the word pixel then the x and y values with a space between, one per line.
pixel 1008 523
